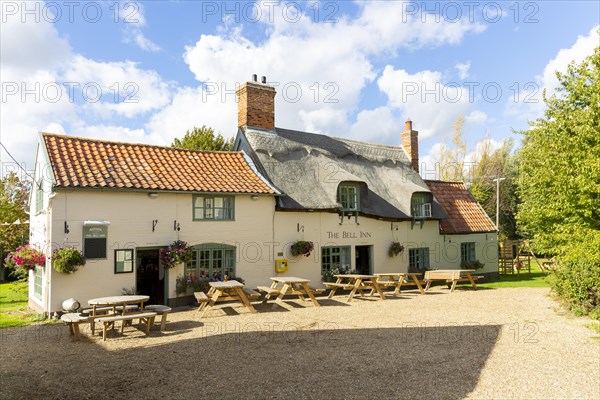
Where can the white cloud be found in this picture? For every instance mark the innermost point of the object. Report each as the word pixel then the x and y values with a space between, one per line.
pixel 136 36
pixel 476 117
pixel 336 54
pixel 425 98
pixel 131 13
pixel 128 90
pixel 463 69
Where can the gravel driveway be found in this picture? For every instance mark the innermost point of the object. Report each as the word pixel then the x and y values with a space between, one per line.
pixel 486 344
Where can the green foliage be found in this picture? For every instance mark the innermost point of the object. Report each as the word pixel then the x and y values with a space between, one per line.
pixel 67 260
pixel 302 248
pixel 488 166
pixel 472 264
pixel 203 138
pixel 559 183
pixel 14 194
pixel 395 249
pixel 451 159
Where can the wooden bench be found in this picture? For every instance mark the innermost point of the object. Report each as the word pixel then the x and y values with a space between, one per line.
pixel 73 320
pixel 251 294
pixel 269 291
pixel 160 310
pixel 146 317
pixel 345 286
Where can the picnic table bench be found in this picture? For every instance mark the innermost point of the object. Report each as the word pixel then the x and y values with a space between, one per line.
pixel 290 285
pixel 355 283
pixel 451 276
pixel 397 279
pixel 145 317
pixel 223 291
pixel 161 310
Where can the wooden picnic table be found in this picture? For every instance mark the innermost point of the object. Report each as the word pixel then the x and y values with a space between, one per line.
pixel 287 285
pixel 397 279
pixel 115 302
pixel 355 283
pixel 452 276
pixel 225 291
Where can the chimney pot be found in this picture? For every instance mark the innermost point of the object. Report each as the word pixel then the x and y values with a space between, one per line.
pixel 254 77
pixel 408 125
pixel 264 79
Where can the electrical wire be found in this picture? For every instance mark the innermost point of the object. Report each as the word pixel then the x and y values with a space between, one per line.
pixel 16 162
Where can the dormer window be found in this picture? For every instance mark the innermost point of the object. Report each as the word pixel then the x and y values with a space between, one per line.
pixel 420 205
pixel 349 196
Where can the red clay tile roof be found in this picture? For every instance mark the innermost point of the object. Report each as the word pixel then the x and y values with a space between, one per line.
pixel 88 163
pixel 465 214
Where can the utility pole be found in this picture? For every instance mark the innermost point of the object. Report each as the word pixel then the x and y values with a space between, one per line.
pixel 498 180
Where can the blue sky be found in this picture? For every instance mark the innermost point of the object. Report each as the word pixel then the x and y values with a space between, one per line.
pixel 349 69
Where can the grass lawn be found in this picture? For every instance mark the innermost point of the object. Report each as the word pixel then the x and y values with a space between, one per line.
pixel 537 278
pixel 13 305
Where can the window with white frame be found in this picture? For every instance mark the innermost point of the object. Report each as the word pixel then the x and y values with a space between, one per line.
pixel 349 198
pixel 420 205
pixel 213 208
pixel 39 196
pixel 38 277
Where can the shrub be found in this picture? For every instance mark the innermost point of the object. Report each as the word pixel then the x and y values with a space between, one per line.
pixel 472 264
pixel 67 260
pixel 302 248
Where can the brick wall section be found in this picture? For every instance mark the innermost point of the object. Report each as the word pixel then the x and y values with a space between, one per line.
pixel 256 106
pixel 410 142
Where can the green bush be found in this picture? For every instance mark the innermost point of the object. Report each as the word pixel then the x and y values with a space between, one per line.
pixel 67 259
pixel 578 277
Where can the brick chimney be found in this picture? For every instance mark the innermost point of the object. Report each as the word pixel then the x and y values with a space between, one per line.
pixel 256 105
pixel 410 142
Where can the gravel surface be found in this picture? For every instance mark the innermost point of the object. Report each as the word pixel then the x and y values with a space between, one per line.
pixel 486 344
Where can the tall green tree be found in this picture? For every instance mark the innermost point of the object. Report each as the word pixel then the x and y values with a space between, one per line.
pixel 451 158
pixel 559 183
pixel 14 227
pixel 203 138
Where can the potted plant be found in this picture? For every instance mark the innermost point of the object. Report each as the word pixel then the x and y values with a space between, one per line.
pixel 395 249
pixel 471 264
pixel 302 248
pixel 177 252
pixel 26 257
pixel 67 260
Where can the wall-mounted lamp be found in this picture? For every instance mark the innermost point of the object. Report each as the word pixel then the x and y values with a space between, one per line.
pixel 66 227
pixel 254 197
pixel 153 195
pixel 176 226
pixel 154 223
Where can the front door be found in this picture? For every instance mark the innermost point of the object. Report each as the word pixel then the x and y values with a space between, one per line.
pixel 363 260
pixel 149 280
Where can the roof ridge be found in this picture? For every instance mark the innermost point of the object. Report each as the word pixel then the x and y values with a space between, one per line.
pixel 79 138
pixel 391 146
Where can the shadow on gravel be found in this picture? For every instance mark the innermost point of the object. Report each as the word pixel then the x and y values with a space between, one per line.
pixel 229 361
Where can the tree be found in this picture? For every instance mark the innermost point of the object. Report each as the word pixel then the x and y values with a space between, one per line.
pixel 488 165
pixel 14 230
pixel 559 183
pixel 203 139
pixel 451 159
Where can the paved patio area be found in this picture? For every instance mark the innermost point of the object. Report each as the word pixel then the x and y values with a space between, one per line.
pixel 490 343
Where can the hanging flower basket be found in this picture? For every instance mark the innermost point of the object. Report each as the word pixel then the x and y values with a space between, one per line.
pixel 26 257
pixel 302 248
pixel 67 260
pixel 177 252
pixel 395 249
